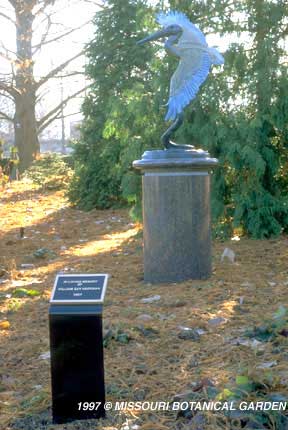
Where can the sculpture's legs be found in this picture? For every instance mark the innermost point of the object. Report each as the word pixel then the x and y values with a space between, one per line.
pixel 165 138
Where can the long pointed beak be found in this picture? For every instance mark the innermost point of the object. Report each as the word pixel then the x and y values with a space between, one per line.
pixel 155 36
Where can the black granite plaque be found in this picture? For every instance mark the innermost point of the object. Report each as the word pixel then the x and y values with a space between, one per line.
pixel 79 288
pixel 76 344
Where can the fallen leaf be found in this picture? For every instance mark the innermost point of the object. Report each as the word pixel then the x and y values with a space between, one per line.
pixel 4 325
pixel 23 292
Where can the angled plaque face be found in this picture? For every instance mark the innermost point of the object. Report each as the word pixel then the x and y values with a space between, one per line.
pixel 79 289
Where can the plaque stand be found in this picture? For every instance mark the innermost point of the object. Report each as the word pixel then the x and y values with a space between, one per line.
pixel 176 214
pixel 76 343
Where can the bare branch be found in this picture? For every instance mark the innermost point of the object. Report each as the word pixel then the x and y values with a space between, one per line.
pixel 7 96
pixel 52 115
pixel 58 69
pixel 70 114
pixel 68 75
pixel 46 3
pixel 51 14
pixel 60 36
pixel 53 118
pixel 8 51
pixel 96 4
pixel 13 3
pixel 5 57
pixel 41 95
pixel 44 35
pixel 8 18
pixel 8 89
pixel 4 115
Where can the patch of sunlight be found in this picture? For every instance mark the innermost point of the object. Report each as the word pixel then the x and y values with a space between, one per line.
pixel 226 309
pixel 108 242
pixel 229 306
pixel 25 213
pixel 4 334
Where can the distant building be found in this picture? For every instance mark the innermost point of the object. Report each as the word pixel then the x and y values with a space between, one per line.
pixel 51 145
pixel 46 144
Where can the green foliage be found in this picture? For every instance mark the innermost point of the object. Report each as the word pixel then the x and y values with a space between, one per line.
pixel 14 305
pixel 23 292
pixel 96 183
pixel 246 389
pixel 1 148
pixel 4 171
pixel 240 114
pixel 116 334
pixel 116 110
pixel 241 117
pixel 50 172
pixel 44 253
pixel 252 388
pixel 272 329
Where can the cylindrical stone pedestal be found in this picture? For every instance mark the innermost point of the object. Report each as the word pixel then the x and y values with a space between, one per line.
pixel 176 214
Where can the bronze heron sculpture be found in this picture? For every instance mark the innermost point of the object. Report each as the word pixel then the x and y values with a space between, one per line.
pixel 188 43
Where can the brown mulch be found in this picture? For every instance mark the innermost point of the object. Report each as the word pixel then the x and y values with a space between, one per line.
pixel 155 366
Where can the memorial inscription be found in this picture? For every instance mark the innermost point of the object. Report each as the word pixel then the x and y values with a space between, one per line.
pixel 79 288
pixel 76 343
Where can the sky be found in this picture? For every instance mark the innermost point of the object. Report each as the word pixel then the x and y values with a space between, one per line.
pixel 67 14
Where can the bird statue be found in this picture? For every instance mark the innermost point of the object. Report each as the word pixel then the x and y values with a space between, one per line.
pixel 188 43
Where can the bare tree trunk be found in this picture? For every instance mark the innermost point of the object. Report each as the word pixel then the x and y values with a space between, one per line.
pixel 26 133
pixel 22 87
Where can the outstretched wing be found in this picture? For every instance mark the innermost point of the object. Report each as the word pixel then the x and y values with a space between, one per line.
pixel 185 83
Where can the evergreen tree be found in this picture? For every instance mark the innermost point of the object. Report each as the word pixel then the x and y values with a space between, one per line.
pixel 240 114
pixel 117 111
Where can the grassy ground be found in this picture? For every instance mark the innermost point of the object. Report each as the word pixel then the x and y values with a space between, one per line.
pixel 155 363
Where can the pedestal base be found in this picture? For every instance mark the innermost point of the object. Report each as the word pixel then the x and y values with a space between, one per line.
pixel 176 214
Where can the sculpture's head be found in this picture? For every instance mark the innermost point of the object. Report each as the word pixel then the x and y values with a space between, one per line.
pixel 169 30
pixel 176 24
